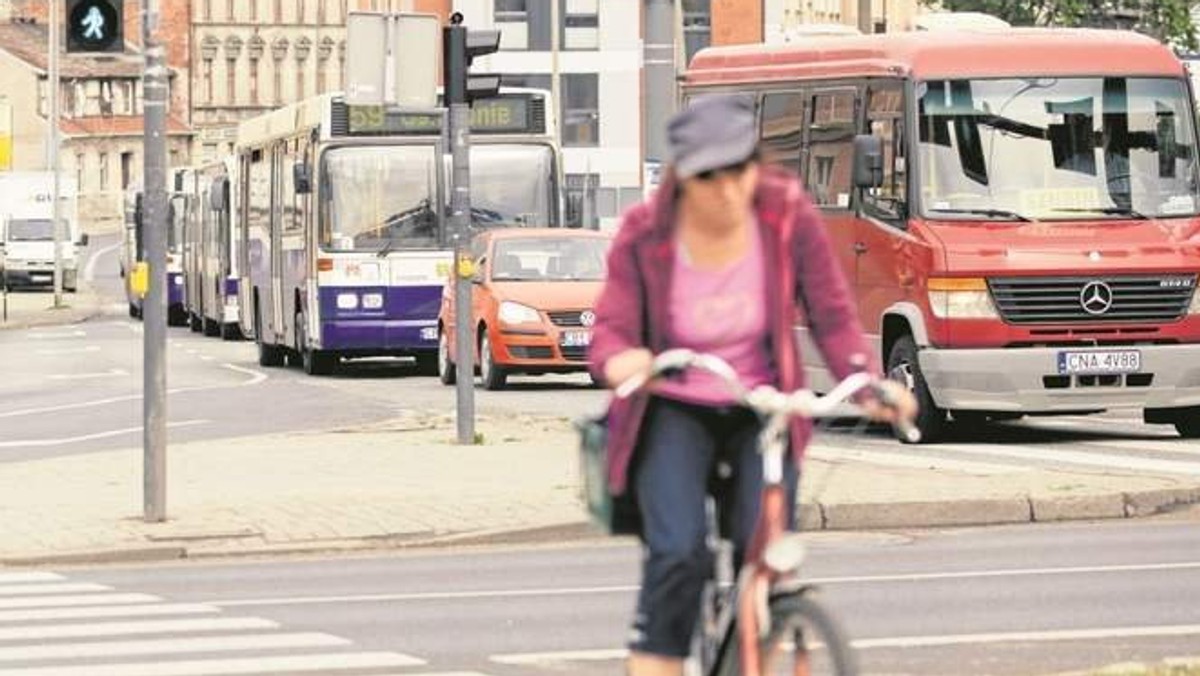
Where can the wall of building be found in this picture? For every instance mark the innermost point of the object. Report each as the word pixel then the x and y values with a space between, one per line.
pixel 18 86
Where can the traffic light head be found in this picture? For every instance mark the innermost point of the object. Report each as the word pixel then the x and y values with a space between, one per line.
pixel 461 47
pixel 95 26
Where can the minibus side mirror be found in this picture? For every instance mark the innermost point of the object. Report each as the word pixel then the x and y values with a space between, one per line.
pixel 868 161
pixel 301 178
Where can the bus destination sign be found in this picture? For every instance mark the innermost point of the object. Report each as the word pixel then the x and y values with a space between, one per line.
pixel 378 120
pixel 502 115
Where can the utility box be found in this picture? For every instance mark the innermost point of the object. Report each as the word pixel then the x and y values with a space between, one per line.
pixel 393 59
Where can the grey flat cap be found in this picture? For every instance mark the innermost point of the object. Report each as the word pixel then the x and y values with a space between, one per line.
pixel 714 131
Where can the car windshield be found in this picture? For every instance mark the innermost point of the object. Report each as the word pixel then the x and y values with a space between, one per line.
pixel 1056 148
pixel 512 185
pixel 549 258
pixel 380 198
pixel 31 230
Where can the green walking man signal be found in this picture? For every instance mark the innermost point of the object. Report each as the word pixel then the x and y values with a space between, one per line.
pixel 95 26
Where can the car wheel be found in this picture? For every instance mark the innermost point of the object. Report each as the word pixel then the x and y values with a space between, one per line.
pixel 903 367
pixel 492 374
pixel 445 366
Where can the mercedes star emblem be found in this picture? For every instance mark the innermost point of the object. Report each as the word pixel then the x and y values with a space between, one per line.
pixel 1096 298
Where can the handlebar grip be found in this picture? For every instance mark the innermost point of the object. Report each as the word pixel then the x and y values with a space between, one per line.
pixel 904 426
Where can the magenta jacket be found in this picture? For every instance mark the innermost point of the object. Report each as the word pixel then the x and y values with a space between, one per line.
pixel 803 279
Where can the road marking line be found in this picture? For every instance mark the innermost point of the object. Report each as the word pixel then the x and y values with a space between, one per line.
pixel 166 646
pixel 1075 458
pixel 1023 636
pixel 573 591
pixel 70 350
pixel 256 377
pixel 42 443
pixel 89 376
pixel 89 270
pixel 14 578
pixel 1015 572
pixel 147 627
pixel 430 596
pixel 81 600
pixel 229 667
pixel 897 459
pixel 55 335
pixel 60 588
pixel 525 659
pixel 205 357
pixel 94 612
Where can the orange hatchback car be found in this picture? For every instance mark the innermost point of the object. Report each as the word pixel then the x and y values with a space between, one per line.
pixel 532 297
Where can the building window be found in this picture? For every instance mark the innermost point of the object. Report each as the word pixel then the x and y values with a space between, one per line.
pixel 581 109
pixel 230 12
pixel 299 11
pixel 255 48
pixel 126 170
pixel 512 18
pixel 79 173
pixel 342 64
pixel 254 11
pixel 324 52
pixel 207 8
pixel 581 203
pixel 278 11
pixel 697 27
pixel 103 172
pixel 208 53
pixel 581 24
pixel 279 52
pixel 208 81
pixel 254 82
pixel 322 11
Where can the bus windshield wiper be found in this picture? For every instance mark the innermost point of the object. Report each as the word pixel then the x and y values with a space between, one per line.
pixel 386 248
pixel 1113 211
pixel 998 213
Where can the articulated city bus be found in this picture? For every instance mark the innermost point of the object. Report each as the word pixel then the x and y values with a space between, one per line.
pixel 341 220
pixel 133 252
pixel 210 260
pixel 1018 210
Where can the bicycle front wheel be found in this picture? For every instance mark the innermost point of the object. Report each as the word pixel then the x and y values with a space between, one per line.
pixel 805 640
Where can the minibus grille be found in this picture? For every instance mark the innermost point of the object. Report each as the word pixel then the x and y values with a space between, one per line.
pixel 1040 300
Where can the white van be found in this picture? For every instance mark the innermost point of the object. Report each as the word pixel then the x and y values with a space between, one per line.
pixel 26 229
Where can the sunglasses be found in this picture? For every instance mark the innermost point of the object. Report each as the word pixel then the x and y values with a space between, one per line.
pixel 728 170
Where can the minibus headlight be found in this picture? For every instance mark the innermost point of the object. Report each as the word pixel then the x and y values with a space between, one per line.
pixel 961 298
pixel 347 301
pixel 372 301
pixel 516 313
pixel 1195 308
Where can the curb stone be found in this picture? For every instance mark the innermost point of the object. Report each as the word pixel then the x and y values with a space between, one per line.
pixel 85 307
pixel 845 516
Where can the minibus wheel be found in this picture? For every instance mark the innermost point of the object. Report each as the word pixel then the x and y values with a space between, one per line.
pixel 903 367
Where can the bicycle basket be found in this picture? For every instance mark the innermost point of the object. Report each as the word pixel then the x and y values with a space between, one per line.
pixel 593 468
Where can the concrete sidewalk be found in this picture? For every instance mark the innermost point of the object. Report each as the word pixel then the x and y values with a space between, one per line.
pixel 35 307
pixel 406 484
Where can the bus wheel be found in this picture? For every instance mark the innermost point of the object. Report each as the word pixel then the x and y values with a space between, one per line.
pixel 134 311
pixel 212 328
pixel 445 365
pixel 231 331
pixel 314 362
pixel 903 367
pixel 268 355
pixel 194 322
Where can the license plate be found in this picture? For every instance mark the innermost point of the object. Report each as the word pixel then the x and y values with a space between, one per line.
pixel 1099 362
pixel 41 278
pixel 576 338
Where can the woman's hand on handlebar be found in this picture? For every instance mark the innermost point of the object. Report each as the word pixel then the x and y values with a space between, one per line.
pixel 625 366
pixel 892 402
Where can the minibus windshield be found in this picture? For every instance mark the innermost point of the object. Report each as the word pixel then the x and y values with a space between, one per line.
pixel 1050 148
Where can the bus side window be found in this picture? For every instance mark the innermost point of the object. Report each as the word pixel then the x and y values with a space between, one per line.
pixel 885 119
pixel 782 128
pixel 831 148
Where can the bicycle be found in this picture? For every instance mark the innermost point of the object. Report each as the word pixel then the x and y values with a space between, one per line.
pixel 745 627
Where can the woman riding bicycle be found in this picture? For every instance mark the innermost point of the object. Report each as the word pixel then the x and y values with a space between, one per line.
pixel 723 259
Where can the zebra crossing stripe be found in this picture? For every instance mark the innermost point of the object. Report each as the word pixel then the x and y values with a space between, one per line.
pixel 894 459
pixel 94 612
pixel 76 600
pixel 205 644
pixel 143 627
pixel 61 588
pixel 323 662
pixel 21 578
pixel 1076 458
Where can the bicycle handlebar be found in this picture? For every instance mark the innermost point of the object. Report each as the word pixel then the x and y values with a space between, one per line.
pixel 765 399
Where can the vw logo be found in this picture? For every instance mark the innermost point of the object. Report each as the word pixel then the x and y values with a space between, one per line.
pixel 587 318
pixel 1096 298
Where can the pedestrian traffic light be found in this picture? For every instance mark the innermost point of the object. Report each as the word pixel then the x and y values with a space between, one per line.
pixel 95 26
pixel 460 46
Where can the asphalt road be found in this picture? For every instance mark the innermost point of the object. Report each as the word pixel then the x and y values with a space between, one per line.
pixel 1015 600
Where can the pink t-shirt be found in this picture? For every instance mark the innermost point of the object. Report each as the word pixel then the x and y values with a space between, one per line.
pixel 722 312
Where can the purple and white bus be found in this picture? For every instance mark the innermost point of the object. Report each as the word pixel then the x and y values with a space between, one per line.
pixel 210 260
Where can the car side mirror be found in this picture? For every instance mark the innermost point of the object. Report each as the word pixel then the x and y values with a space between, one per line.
pixel 868 161
pixel 301 178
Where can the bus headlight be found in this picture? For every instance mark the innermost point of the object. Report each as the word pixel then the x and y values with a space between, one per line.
pixel 961 298
pixel 372 301
pixel 516 313
pixel 347 301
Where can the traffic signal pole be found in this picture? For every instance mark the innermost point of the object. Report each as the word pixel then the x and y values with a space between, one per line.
pixel 52 160
pixel 154 306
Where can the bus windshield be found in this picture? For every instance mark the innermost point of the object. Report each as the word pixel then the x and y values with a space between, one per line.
pixel 512 185
pixel 379 198
pixel 31 230
pixel 1056 148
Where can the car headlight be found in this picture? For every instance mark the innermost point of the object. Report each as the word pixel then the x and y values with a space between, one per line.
pixel 1195 307
pixel 347 301
pixel 516 313
pixel 961 298
pixel 372 301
